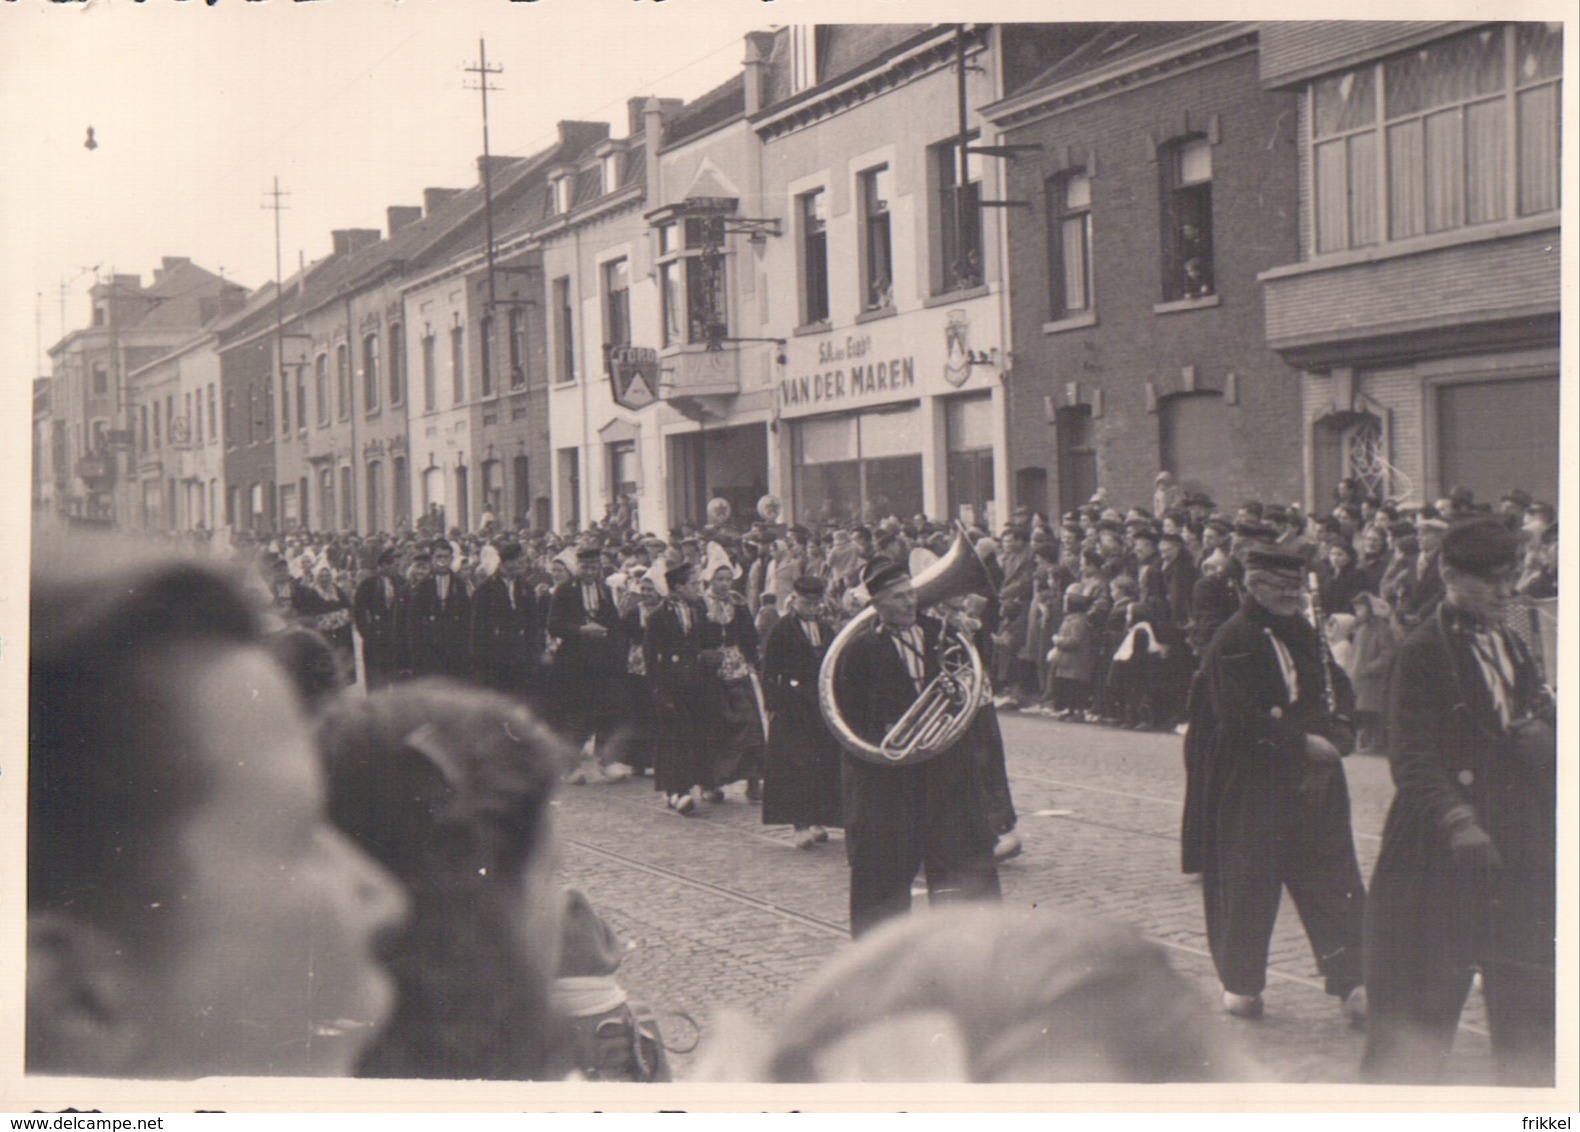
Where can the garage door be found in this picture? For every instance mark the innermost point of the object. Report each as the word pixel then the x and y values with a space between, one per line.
pixel 1497 435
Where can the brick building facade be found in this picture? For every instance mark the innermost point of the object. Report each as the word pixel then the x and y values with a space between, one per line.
pixel 1161 183
pixel 1423 306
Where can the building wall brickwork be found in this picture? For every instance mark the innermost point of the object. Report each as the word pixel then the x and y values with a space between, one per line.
pixel 1132 354
pixel 1442 287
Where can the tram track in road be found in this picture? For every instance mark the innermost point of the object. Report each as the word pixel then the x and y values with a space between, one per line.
pixel 1176 803
pixel 675 876
pixel 841 931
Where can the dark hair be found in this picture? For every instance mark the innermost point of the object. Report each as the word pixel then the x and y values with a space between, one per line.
pixel 104 793
pixel 310 660
pixel 447 786
pixel 1045 997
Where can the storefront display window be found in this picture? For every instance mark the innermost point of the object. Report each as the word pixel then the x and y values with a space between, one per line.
pixel 862 467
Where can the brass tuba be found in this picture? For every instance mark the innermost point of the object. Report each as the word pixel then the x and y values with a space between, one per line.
pixel 949 702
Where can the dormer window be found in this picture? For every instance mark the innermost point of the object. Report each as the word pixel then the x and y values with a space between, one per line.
pixel 609 171
pixel 803 57
pixel 560 194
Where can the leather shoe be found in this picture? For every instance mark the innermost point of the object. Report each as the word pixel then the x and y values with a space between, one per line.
pixel 1008 845
pixel 819 833
pixel 805 839
pixel 1243 1005
pixel 1356 1008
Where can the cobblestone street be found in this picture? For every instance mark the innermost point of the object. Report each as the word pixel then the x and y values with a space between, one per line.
pixel 721 912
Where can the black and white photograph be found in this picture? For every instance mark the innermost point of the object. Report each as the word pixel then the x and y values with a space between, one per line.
pixel 658 555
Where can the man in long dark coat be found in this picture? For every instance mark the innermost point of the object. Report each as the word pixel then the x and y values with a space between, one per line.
pixel 506 641
pixel 931 815
pixel 802 786
pixel 376 612
pixel 589 668
pixel 438 619
pixel 1466 876
pixel 672 653
pixel 1273 808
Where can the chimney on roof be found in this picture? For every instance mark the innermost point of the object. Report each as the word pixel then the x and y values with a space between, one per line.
pixel 433 198
pixel 759 48
pixel 577 137
pixel 400 215
pixel 653 129
pixel 348 240
pixel 497 164
pixel 634 109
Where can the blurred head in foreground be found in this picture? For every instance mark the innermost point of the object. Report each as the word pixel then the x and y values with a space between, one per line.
pixel 448 787
pixel 191 911
pixel 969 994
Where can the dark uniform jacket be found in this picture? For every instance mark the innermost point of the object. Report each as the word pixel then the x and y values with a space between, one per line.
pixel 506 643
pixel 673 655
pixel 581 654
pixel 1245 749
pixel 1449 749
pixel 378 621
pixel 802 785
pixel 437 631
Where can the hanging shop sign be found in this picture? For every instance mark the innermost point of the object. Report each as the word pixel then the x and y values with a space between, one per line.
pixel 633 375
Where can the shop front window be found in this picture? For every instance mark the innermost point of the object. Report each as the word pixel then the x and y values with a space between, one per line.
pixel 862 468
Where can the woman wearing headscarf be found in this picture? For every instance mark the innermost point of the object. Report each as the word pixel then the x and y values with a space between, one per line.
pixel 321 605
pixel 731 658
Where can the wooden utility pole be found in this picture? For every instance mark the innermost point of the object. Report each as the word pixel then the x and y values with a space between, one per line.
pixel 482 70
pixel 279 309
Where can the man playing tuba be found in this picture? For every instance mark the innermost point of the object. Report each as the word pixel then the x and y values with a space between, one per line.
pixel 929 814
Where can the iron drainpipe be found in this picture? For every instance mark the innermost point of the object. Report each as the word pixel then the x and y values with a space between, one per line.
pixel 351 375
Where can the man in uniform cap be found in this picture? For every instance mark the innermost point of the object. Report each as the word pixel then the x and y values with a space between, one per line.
pixel 1267 805
pixel 1466 877
pixel 930 815
pixel 376 612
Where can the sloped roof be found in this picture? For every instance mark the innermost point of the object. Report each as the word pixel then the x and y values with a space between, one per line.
pixel 701 114
pixel 842 50
pixel 178 296
pixel 1114 44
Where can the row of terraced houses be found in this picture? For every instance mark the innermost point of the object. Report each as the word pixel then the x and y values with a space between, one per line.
pixel 889 268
